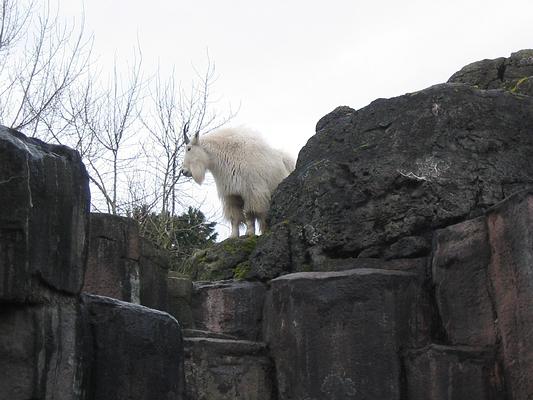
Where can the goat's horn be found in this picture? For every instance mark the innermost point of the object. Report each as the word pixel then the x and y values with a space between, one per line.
pixel 185 130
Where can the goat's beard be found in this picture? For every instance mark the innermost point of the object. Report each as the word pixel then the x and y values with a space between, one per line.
pixel 198 173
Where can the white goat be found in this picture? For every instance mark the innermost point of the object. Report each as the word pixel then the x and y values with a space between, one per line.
pixel 246 171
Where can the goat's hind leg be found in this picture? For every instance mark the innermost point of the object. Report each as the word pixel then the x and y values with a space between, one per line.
pixel 263 226
pixel 233 211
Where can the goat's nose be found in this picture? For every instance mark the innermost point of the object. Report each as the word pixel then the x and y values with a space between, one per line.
pixel 186 173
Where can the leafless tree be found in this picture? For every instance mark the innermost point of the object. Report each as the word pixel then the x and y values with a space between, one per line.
pixel 173 109
pixel 50 88
pixel 108 124
pixel 42 57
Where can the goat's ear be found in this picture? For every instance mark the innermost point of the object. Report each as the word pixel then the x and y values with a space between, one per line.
pixel 196 138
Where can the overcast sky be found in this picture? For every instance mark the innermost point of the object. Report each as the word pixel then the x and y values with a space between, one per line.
pixel 288 63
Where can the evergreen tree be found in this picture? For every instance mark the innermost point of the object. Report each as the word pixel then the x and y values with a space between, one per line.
pixel 181 235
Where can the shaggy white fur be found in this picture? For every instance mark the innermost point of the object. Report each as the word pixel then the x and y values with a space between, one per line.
pixel 246 171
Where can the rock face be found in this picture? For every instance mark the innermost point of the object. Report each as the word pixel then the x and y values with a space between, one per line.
pixel 338 335
pixel 460 273
pixel 41 351
pixel 44 193
pixel 511 278
pixel 376 182
pixel 455 373
pixel 114 252
pixel 233 308
pixel 123 265
pixel 514 73
pixel 482 273
pixel 153 271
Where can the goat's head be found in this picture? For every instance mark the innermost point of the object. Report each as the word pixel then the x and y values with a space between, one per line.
pixel 196 158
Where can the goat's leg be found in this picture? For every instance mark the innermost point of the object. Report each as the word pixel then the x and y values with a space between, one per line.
pixel 235 228
pixel 263 227
pixel 250 224
pixel 233 212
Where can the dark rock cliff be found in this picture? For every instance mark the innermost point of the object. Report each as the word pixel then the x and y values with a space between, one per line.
pixel 54 343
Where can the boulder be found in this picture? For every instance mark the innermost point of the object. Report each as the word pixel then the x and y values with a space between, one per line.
pixel 230 307
pixel 452 373
pixel 339 335
pixel 222 369
pixel 44 192
pixel 137 352
pixel 113 262
pixel 461 261
pixel 510 231
pixel 378 181
pixel 41 352
pixel 514 74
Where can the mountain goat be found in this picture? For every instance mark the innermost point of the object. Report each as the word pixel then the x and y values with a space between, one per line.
pixel 246 171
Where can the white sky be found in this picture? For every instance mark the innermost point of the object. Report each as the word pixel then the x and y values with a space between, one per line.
pixel 288 63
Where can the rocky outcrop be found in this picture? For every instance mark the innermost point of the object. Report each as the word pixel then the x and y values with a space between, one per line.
pixel 514 73
pixel 54 344
pixel 378 181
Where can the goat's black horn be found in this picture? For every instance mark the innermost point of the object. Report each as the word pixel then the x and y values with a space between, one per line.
pixel 185 130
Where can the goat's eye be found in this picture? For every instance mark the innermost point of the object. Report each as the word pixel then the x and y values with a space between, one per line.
pixel 188 149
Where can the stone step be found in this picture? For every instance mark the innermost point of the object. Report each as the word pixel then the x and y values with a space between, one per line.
pixel 225 369
pixel 197 333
